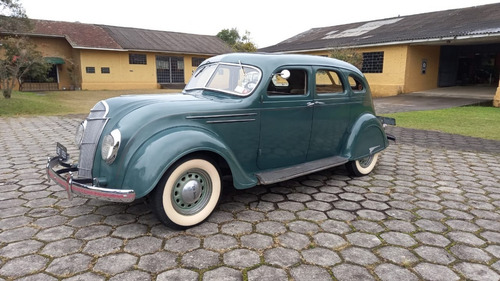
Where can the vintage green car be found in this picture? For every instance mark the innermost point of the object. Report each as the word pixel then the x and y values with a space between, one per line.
pixel 259 118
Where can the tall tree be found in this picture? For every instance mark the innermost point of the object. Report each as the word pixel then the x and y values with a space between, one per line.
pixel 20 58
pixel 238 43
pixel 13 16
pixel 18 55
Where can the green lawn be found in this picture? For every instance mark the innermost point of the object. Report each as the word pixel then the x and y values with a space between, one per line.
pixel 475 121
pixel 60 102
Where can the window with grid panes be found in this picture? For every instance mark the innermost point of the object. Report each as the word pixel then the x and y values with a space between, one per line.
pixel 195 62
pixel 373 62
pixel 137 59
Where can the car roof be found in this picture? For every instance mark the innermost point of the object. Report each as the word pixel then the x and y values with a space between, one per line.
pixel 265 60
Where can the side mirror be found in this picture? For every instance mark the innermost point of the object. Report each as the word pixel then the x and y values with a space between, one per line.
pixel 285 74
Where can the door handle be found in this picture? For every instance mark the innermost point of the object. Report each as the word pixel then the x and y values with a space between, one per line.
pixel 315 103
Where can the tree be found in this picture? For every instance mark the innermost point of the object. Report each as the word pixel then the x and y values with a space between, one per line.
pixel 238 43
pixel 13 17
pixel 20 59
pixel 352 56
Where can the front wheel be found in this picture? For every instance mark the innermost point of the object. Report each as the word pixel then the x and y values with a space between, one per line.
pixel 363 166
pixel 187 194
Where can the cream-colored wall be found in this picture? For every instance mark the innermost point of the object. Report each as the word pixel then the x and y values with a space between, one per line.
pixel 123 76
pixel 415 80
pixel 391 81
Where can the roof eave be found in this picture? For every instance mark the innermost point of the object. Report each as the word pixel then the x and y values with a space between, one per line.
pixel 424 41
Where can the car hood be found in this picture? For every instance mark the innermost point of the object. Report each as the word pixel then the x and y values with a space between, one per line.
pixel 166 104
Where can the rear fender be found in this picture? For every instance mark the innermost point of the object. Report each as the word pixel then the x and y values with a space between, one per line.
pixel 152 159
pixel 367 137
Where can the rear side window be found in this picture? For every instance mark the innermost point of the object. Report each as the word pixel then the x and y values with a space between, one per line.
pixel 328 82
pixel 356 85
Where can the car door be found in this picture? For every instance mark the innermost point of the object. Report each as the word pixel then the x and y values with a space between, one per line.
pixel 331 113
pixel 286 118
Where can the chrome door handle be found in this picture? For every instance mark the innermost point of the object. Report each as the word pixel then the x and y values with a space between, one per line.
pixel 315 103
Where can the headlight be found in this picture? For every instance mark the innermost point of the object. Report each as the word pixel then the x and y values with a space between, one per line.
pixel 79 133
pixel 110 146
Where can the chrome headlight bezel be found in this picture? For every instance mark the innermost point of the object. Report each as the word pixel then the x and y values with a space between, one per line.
pixel 110 145
pixel 80 131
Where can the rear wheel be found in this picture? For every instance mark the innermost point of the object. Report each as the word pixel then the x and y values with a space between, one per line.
pixel 363 166
pixel 187 194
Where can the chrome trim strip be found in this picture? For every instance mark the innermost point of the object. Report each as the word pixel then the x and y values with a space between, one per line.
pixel 230 121
pixel 221 115
pixel 72 186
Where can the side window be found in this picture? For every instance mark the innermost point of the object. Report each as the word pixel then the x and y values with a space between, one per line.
pixel 328 82
pixel 356 85
pixel 296 84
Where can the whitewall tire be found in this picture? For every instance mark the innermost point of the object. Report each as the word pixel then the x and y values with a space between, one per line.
pixel 362 167
pixel 187 193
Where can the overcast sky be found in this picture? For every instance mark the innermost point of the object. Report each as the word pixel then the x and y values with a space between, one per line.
pixel 268 21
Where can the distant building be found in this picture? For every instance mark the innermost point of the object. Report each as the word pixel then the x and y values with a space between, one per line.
pixel 417 52
pixel 96 57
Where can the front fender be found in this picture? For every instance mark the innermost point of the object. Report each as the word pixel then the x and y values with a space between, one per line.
pixel 152 158
pixel 367 137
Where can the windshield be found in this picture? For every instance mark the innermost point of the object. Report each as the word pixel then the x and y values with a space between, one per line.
pixel 236 79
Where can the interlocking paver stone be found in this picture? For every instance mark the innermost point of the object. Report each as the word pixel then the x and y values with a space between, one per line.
pixel 114 264
pixel 309 272
pixel 429 211
pixel 390 272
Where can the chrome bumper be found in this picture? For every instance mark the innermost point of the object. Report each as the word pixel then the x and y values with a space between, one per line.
pixel 76 186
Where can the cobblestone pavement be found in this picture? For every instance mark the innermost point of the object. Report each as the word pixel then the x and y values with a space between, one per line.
pixel 430 211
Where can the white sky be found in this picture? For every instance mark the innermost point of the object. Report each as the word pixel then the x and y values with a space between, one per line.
pixel 268 21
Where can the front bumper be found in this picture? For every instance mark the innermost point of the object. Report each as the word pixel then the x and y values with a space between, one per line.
pixel 80 187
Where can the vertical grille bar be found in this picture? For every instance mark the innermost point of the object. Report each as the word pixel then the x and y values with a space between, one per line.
pixel 95 124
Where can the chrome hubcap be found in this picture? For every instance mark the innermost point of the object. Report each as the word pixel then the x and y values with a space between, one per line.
pixel 191 192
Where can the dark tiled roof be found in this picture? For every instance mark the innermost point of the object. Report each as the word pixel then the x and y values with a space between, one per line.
pixel 474 21
pixel 79 35
pixel 91 36
pixel 154 40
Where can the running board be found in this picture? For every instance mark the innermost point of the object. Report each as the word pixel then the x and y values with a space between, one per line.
pixel 278 175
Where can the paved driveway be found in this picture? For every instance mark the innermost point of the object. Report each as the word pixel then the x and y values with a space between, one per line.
pixel 430 211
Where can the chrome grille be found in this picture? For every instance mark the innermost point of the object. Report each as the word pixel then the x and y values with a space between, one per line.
pixel 95 124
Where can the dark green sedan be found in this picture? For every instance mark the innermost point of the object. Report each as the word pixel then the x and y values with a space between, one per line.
pixel 259 118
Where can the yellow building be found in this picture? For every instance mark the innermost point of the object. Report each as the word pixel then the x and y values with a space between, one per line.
pixel 100 57
pixel 417 52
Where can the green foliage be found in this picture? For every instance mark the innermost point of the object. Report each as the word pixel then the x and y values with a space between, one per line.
pixel 352 56
pixel 238 43
pixel 230 36
pixel 474 121
pixel 20 59
pixel 13 17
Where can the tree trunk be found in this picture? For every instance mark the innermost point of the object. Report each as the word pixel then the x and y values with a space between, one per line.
pixel 7 93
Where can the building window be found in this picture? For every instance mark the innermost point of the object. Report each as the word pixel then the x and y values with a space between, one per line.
pixel 137 59
pixel 195 62
pixel 373 62
pixel 105 70
pixel 90 69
